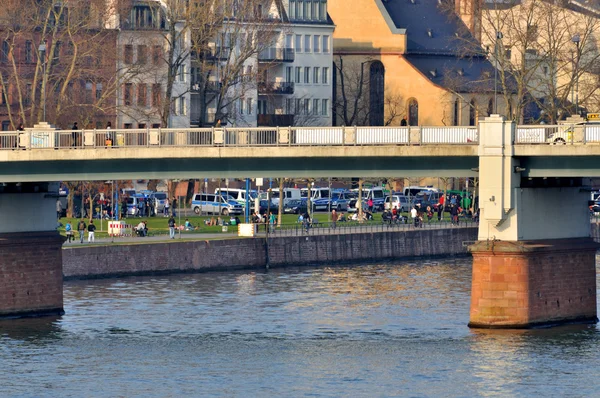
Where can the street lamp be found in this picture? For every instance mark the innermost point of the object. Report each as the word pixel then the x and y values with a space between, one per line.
pixel 42 51
pixel 576 39
pixel 498 37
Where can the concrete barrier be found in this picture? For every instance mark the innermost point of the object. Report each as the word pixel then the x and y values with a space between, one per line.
pixel 232 254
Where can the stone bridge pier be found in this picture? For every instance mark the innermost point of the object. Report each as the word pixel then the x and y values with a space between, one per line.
pixel 31 281
pixel 534 261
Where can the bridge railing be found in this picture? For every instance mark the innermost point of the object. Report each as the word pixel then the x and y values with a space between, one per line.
pixel 558 134
pixel 238 137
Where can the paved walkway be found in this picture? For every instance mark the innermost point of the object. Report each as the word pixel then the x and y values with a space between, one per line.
pixel 293 231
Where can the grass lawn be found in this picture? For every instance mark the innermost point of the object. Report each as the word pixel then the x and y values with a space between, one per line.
pixel 159 225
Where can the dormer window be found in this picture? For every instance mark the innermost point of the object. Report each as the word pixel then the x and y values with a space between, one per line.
pixel 461 72
pixel 433 73
pixel 430 32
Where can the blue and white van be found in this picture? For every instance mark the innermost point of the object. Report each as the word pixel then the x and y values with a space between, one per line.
pixel 215 204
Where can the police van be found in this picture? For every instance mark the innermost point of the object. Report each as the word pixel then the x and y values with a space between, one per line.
pixel 215 204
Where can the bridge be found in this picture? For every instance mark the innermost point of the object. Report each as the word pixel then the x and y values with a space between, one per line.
pixel 534 263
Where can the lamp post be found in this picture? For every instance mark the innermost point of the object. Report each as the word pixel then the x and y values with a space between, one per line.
pixel 498 37
pixel 42 51
pixel 576 39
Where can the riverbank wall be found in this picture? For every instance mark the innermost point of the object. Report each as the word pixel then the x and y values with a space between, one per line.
pixel 254 253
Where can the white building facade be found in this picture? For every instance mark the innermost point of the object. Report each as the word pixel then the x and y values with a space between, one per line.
pixel 287 81
pixel 143 45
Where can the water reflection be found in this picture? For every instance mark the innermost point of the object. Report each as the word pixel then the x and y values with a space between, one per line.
pixel 384 329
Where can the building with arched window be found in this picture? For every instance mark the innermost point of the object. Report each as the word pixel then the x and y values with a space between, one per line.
pixel 426 77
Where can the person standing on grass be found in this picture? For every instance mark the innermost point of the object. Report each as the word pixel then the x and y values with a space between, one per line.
pixel 171 227
pixel 58 209
pixel 91 232
pixel 81 229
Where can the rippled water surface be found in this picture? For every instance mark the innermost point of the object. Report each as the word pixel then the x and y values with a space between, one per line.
pixel 394 329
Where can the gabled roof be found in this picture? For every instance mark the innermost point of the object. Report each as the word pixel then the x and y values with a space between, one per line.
pixel 431 25
pixel 435 45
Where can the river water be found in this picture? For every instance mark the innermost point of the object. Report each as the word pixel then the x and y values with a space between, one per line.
pixel 379 330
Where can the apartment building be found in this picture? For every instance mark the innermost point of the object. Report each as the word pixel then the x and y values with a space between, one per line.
pixel 142 67
pixel 273 72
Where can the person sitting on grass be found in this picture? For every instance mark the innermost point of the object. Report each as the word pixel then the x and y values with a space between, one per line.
pixel 141 229
pixel 188 225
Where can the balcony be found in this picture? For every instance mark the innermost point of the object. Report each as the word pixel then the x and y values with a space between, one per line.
pixel 208 87
pixel 276 54
pixel 276 88
pixel 217 54
pixel 275 120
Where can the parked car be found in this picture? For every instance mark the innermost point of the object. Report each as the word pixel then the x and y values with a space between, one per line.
pixel 295 206
pixel 399 201
pixel 265 206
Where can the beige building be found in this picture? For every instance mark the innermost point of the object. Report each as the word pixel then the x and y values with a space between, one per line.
pixel 402 59
pixel 550 49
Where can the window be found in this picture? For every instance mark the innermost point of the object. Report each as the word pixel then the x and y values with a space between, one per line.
pixel 182 106
pixel 156 54
pixel 127 93
pixel 4 52
pixel 289 41
pixel 181 73
pixel 292 9
pixel 28 94
pixel 142 55
pixel 472 113
pixel 156 95
pixel 307 75
pixel 99 91
pixel 128 54
pixel 88 92
pixel 317 43
pixel 141 97
pixel 127 125
pixel 315 9
pixel 413 112
pixel 307 106
pixel 305 10
pixel 241 106
pixel 298 43
pixel 323 10
pixel 325 44
pixel 456 112
pixel 325 75
pixel 298 74
pixel 307 43
pixel 28 52
pixel 315 107
pixel 56 53
pixel 325 107
pixel 316 75
pixel 2 99
pixel 5 125
pixel 299 106
pixel 289 106
pixel 289 74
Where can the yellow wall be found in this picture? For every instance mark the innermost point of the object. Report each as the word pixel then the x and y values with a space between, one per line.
pixel 360 26
pixel 362 33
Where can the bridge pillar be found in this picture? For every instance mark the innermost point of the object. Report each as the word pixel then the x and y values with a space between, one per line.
pixel 534 262
pixel 31 281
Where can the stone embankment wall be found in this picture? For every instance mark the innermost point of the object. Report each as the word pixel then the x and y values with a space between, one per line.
pixel 231 254
pixel 596 231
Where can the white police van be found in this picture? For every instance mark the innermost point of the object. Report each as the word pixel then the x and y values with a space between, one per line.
pixel 215 204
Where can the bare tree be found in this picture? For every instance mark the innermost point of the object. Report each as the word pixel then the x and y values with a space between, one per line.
pixel 542 50
pixel 57 61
